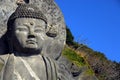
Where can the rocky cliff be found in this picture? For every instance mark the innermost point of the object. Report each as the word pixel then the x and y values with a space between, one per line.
pixel 103 68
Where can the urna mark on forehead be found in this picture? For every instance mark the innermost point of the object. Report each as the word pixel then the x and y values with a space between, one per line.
pixel 30 22
pixel 30 11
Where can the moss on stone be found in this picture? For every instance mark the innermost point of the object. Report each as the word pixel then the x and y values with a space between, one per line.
pixel 1 66
pixel 72 56
pixel 89 72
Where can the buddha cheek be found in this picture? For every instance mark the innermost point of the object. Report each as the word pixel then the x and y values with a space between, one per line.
pixel 21 38
pixel 40 40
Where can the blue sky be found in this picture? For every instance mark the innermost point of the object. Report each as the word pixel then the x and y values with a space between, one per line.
pixel 95 23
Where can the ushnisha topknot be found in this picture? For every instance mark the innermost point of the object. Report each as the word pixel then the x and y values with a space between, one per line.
pixel 26 11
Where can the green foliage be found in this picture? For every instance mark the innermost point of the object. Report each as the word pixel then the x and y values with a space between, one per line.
pixel 89 72
pixel 78 60
pixel 72 56
pixel 1 66
pixel 103 68
pixel 69 37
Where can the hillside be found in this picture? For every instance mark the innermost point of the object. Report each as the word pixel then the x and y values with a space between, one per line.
pixel 99 65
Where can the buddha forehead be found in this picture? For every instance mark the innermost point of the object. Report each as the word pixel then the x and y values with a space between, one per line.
pixel 29 21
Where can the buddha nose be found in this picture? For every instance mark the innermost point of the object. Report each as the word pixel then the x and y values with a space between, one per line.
pixel 31 34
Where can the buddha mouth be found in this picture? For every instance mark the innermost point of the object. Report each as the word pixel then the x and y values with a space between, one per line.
pixel 30 41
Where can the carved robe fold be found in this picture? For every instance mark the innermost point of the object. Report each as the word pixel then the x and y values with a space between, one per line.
pixel 34 67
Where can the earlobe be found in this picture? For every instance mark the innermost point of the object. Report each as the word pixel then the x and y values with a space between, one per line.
pixel 51 31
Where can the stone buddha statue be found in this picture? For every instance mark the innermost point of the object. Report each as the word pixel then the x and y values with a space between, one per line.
pixel 25 37
pixel 31 47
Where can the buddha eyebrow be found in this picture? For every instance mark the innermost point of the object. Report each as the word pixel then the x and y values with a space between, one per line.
pixel 25 24
pixel 38 26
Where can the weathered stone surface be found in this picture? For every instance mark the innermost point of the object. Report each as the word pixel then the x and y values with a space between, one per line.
pixel 38 67
pixel 49 64
pixel 28 68
pixel 74 72
pixel 26 35
pixel 55 22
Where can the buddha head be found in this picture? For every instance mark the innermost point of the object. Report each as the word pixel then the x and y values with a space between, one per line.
pixel 27 29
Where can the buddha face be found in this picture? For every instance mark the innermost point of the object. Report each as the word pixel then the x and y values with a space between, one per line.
pixel 28 35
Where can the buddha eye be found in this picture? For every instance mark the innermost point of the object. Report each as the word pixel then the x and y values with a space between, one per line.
pixel 22 29
pixel 38 30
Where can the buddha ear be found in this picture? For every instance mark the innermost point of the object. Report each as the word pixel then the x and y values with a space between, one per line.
pixel 51 31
